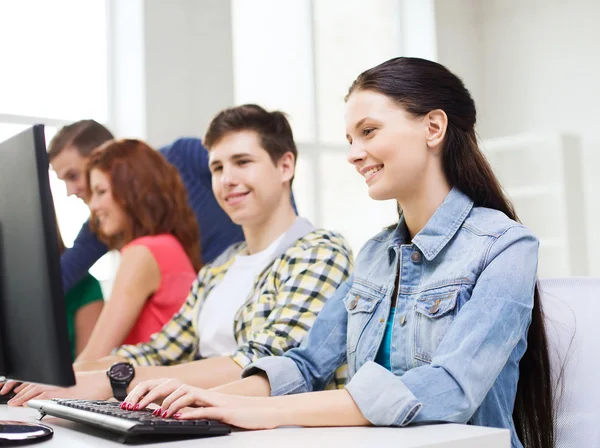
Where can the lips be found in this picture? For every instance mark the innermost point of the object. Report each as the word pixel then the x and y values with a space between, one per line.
pixel 371 171
pixel 235 198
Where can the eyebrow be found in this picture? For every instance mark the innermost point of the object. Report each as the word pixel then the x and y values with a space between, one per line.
pixel 233 157
pixel 357 125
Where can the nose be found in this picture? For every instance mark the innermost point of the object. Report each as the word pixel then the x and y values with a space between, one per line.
pixel 356 154
pixel 93 204
pixel 227 177
pixel 70 188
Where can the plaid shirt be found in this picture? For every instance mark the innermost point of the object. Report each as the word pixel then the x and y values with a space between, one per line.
pixel 285 300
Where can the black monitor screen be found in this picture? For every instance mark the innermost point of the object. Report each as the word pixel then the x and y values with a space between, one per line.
pixel 34 343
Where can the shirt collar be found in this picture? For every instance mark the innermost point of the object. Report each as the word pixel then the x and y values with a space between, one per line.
pixel 440 228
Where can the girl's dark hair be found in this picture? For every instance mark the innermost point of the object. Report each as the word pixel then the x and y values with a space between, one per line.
pixel 420 86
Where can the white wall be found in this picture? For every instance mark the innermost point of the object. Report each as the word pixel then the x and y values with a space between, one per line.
pixel 171 65
pixel 533 66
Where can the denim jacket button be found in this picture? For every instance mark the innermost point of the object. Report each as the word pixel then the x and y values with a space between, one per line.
pixel 435 307
pixel 353 303
pixel 402 320
pixel 415 257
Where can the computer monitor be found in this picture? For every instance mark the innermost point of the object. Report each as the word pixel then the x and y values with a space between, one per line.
pixel 34 344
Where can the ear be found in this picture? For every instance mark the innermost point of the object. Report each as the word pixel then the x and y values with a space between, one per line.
pixel 437 123
pixel 287 166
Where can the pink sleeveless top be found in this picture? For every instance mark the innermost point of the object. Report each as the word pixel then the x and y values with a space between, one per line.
pixel 176 277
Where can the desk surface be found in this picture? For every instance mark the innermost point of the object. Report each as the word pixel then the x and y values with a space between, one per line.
pixel 71 434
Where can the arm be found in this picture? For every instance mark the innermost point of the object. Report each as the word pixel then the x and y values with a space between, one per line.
pixel 304 286
pixel 85 320
pixel 138 278
pixel 304 282
pixel 76 261
pixel 305 368
pixel 473 352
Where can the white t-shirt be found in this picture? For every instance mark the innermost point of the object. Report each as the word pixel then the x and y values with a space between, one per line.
pixel 216 320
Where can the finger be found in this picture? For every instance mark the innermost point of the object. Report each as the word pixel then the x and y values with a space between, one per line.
pixel 20 387
pixel 158 393
pixel 220 414
pixel 25 395
pixel 8 386
pixel 185 399
pixel 177 395
pixel 141 390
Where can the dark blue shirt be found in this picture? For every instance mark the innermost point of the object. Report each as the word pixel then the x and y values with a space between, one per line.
pixel 217 231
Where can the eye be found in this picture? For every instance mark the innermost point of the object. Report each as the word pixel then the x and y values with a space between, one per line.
pixel 243 162
pixel 367 131
pixel 216 169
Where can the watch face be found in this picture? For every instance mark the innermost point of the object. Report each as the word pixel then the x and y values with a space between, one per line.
pixel 121 371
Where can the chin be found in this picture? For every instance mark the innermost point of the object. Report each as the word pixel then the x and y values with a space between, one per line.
pixel 378 194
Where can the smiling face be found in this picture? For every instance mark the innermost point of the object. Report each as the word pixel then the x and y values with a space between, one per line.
pixel 109 215
pixel 69 166
pixel 388 147
pixel 246 182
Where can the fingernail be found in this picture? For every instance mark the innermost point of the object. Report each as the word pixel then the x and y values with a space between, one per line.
pixel 177 415
pixel 157 411
pixel 164 414
pixel 123 405
pixel 136 407
pixel 129 407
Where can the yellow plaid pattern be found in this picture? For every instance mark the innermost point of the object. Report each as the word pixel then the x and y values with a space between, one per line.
pixel 286 298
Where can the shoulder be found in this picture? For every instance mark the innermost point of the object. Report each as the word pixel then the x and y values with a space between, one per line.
pixel 161 241
pixel 184 150
pixel 86 286
pixel 320 243
pixel 492 223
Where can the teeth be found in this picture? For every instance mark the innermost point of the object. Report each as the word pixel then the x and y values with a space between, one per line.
pixel 373 171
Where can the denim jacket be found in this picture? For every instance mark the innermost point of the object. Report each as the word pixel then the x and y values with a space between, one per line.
pixel 464 303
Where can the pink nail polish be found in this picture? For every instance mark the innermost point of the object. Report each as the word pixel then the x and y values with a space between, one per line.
pixel 123 405
pixel 129 407
pixel 136 407
pixel 177 415
pixel 164 414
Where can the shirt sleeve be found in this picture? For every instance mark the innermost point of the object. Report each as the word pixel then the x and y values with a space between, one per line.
pixel 175 342
pixel 77 260
pixel 304 284
pixel 472 353
pixel 310 366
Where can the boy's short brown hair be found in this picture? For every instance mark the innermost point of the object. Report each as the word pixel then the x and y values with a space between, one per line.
pixel 83 135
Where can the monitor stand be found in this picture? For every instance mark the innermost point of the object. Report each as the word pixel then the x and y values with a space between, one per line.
pixel 14 433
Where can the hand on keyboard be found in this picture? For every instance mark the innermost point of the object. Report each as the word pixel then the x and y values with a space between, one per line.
pixel 244 412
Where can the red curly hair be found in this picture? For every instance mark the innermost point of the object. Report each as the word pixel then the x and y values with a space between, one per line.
pixel 150 191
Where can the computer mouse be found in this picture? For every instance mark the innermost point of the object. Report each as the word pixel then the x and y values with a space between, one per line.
pixel 4 398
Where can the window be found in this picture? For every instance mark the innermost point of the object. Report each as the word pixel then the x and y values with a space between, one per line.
pixel 301 56
pixel 54 59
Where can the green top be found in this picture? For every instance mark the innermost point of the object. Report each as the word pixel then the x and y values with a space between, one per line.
pixel 86 291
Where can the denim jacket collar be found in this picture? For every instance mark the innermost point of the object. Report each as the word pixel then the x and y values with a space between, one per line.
pixel 440 228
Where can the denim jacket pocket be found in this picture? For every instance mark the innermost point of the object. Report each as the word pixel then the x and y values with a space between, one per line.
pixel 434 312
pixel 360 304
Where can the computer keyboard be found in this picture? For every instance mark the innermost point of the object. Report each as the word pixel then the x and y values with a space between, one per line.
pixel 108 415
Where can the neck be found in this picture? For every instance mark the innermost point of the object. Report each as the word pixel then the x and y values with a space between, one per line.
pixel 261 234
pixel 422 202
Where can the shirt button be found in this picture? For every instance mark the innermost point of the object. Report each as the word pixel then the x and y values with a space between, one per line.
pixel 416 256
pixel 435 307
pixel 353 303
pixel 402 320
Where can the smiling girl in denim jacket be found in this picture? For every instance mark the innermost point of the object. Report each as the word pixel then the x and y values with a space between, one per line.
pixel 441 321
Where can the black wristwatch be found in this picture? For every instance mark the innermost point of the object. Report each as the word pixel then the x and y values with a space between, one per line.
pixel 120 375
